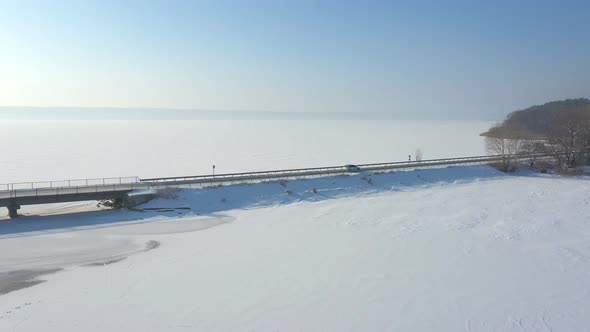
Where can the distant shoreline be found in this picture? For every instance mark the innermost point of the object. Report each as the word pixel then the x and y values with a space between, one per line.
pixel 110 113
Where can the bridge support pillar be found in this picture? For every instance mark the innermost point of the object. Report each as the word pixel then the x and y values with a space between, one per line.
pixel 13 211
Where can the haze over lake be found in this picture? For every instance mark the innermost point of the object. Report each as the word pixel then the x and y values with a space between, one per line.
pixel 37 150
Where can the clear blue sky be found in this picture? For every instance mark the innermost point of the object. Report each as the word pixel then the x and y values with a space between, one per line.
pixel 461 59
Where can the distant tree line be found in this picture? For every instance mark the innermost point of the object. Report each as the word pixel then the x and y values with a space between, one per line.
pixel 560 128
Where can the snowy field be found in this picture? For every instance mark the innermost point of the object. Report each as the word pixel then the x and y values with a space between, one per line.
pixel 58 150
pixel 455 249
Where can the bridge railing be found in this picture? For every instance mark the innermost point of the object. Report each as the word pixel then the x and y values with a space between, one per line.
pixel 72 183
pixel 331 170
pixel 232 176
pixel 79 186
pixel 61 191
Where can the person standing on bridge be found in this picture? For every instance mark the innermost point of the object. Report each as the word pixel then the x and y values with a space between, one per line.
pixel 409 157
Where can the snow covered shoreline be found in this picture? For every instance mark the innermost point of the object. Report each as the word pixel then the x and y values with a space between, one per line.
pixel 461 248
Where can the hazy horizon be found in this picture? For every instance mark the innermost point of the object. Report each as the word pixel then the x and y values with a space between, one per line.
pixel 418 60
pixel 131 113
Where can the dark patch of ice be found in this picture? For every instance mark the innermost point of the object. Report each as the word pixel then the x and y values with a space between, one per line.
pixel 19 279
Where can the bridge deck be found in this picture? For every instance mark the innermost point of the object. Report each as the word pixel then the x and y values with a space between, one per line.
pixel 65 194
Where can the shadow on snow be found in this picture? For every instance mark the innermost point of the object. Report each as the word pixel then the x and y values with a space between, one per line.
pixel 212 201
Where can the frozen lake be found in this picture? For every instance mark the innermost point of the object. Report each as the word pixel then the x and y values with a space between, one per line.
pixel 54 150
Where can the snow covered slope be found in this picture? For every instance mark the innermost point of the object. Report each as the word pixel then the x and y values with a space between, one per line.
pixel 456 249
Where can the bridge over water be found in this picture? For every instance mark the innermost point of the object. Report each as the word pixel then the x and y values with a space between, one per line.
pixel 14 195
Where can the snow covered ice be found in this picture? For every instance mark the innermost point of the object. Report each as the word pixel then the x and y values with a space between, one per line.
pixel 146 148
pixel 453 249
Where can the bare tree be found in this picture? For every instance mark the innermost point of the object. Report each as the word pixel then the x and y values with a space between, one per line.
pixel 419 154
pixel 507 143
pixel 507 149
pixel 584 143
pixel 532 149
pixel 566 142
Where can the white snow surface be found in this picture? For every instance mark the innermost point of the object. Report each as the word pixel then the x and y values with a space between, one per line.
pixel 59 150
pixel 454 249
